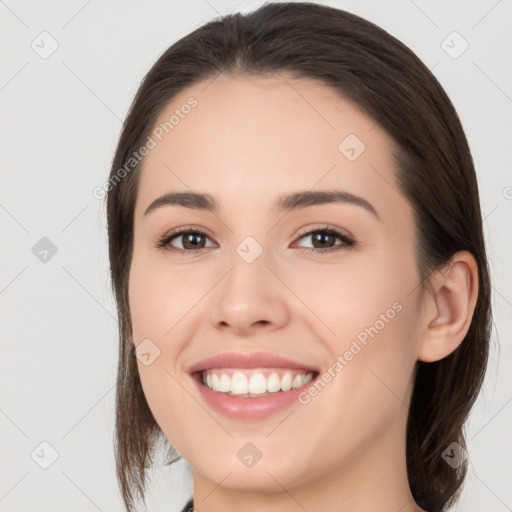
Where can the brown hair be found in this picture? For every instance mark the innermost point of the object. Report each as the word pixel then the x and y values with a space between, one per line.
pixel 435 173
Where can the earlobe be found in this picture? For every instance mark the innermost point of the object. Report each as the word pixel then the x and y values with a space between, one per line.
pixel 449 311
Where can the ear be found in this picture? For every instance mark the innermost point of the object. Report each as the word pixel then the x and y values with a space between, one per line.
pixel 448 309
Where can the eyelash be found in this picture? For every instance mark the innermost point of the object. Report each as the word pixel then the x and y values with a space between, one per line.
pixel 164 242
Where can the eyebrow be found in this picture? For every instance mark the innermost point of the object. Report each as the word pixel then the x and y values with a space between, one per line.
pixel 286 203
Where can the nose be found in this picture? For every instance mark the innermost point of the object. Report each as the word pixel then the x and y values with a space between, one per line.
pixel 250 298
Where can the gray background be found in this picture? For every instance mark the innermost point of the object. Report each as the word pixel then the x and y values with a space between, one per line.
pixel 60 120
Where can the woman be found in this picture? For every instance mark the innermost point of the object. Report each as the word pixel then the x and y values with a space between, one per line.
pixel 335 375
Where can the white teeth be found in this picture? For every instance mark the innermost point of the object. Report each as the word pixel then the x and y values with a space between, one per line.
pixel 273 383
pixel 225 383
pixel 239 384
pixel 297 382
pixel 254 383
pixel 286 382
pixel 215 382
pixel 307 378
pixel 257 384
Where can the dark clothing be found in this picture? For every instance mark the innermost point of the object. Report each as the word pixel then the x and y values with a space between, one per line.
pixel 189 506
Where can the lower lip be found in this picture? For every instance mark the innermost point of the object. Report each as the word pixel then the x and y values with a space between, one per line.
pixel 248 408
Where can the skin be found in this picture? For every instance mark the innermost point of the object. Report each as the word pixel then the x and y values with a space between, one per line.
pixel 248 141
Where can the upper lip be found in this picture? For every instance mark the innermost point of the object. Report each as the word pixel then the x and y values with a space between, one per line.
pixel 248 360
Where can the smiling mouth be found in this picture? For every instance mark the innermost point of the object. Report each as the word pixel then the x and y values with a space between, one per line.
pixel 253 383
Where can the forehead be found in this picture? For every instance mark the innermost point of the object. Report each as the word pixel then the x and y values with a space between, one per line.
pixel 248 139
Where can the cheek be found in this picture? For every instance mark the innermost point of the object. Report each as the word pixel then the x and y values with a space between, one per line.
pixel 368 313
pixel 372 356
pixel 352 295
pixel 171 408
pixel 147 310
pixel 156 306
pixel 162 303
pixel 158 297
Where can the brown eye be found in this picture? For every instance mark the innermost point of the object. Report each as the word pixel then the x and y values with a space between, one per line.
pixel 190 239
pixel 324 240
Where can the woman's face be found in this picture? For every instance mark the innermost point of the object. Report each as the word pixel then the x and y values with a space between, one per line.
pixel 259 282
